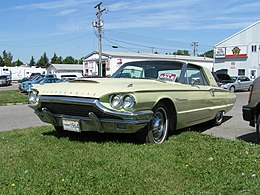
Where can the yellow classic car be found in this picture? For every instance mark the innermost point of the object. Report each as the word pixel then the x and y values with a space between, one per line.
pixel 148 98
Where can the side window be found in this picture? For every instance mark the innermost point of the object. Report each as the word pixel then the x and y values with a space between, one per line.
pixel 131 72
pixel 247 79
pixel 195 75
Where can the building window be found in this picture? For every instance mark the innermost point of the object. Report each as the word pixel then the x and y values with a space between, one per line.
pixel 241 71
pixel 253 48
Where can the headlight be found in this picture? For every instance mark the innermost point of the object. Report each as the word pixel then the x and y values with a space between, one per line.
pixel 116 101
pixel 128 102
pixel 122 101
pixel 33 97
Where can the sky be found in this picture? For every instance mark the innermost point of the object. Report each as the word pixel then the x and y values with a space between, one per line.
pixel 31 27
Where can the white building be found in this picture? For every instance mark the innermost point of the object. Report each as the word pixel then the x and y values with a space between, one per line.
pixel 65 70
pixel 111 61
pixel 239 54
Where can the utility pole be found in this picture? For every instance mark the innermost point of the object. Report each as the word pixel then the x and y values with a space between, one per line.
pixel 99 25
pixel 194 49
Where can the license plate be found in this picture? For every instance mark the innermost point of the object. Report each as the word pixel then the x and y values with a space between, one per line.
pixel 71 125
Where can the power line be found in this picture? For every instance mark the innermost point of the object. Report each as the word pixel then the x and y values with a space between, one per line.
pixel 177 44
pixel 139 45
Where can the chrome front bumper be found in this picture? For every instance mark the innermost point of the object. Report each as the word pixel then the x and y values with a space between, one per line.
pixel 114 122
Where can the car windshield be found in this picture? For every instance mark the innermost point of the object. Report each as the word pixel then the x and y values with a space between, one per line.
pixel 162 70
pixel 234 78
pixel 39 79
pixel 36 78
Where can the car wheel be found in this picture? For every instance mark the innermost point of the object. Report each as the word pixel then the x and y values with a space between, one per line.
pixel 158 128
pixel 218 118
pixel 258 127
pixel 232 88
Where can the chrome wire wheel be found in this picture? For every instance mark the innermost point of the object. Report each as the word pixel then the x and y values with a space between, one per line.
pixel 218 118
pixel 158 127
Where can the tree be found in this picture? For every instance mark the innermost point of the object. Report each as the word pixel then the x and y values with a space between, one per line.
pixel 43 61
pixel 32 62
pixel 17 63
pixel 208 54
pixel 7 58
pixel 182 52
pixel 69 60
pixel 1 61
pixel 56 60
pixel 80 61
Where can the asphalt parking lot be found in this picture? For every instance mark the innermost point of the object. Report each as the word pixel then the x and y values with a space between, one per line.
pixel 13 86
pixel 234 126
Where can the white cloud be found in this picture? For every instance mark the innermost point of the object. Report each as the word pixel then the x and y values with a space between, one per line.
pixel 54 4
pixel 66 12
pixel 185 14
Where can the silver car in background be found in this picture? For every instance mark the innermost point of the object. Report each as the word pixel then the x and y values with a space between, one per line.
pixel 5 80
pixel 237 83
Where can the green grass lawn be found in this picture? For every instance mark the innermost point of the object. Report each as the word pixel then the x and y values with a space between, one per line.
pixel 38 161
pixel 12 96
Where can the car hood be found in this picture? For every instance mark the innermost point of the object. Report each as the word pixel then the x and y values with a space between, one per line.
pixel 98 87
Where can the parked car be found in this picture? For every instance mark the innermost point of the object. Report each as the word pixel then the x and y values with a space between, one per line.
pixel 5 80
pixel 251 111
pixel 46 80
pixel 221 78
pixel 148 98
pixel 23 79
pixel 237 83
pixel 24 86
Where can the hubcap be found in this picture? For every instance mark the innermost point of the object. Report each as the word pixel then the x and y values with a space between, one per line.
pixel 219 116
pixel 158 125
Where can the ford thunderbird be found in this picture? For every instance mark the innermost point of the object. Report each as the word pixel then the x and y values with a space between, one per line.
pixel 148 98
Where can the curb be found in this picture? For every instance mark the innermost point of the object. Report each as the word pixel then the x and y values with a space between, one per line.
pixel 11 104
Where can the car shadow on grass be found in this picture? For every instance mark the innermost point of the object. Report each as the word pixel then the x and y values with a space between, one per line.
pixel 131 138
pixel 101 137
pixel 94 137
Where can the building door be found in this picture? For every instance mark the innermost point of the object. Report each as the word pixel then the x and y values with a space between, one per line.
pixel 253 74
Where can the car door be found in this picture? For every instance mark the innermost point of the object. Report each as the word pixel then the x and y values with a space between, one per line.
pixel 246 82
pixel 202 97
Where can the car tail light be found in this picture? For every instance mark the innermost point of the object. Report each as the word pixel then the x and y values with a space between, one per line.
pixel 250 93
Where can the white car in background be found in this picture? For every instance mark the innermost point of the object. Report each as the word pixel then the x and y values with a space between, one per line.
pixel 69 75
pixel 237 83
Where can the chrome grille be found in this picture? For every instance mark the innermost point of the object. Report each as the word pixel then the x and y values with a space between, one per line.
pixel 73 109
